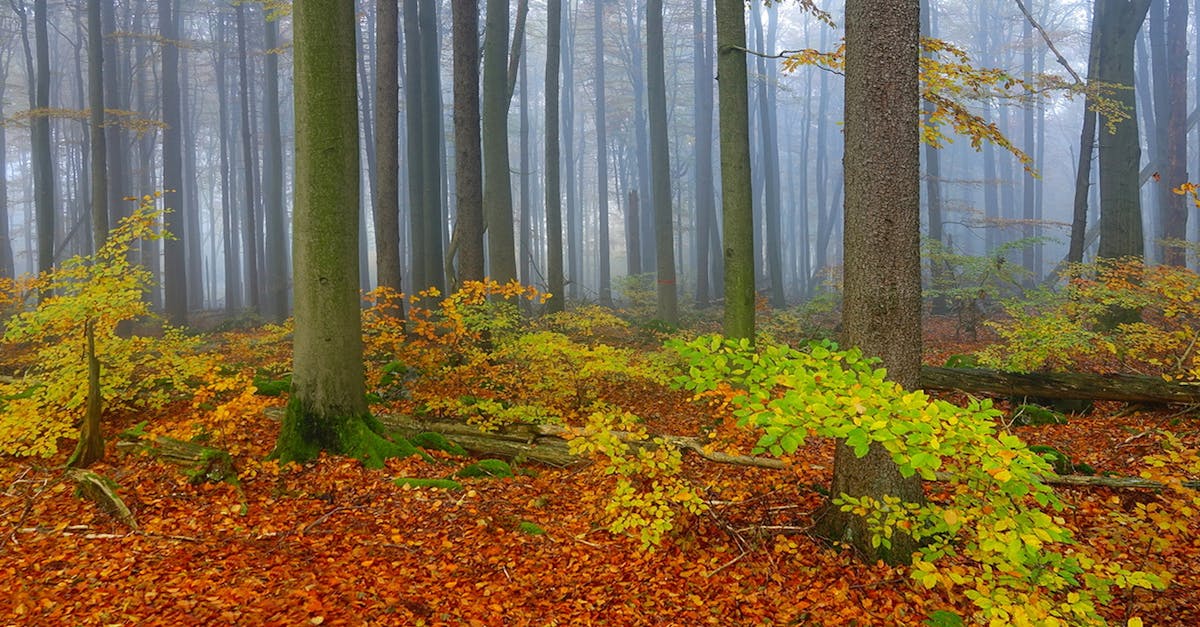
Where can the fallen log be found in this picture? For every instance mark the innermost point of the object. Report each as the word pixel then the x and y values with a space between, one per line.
pixel 1059 385
pixel 200 463
pixel 103 492
pixel 547 444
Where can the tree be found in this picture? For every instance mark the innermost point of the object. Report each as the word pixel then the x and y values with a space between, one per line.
pixel 602 156
pixel 554 236
pixel 468 162
pixel 497 183
pixel 1171 102
pixel 736 197
pixel 1118 22
pixel 660 158
pixel 7 267
pixel 882 311
pixel 274 238
pixel 175 298
pixel 386 204
pixel 702 68
pixel 248 164
pixel 327 409
pixel 43 160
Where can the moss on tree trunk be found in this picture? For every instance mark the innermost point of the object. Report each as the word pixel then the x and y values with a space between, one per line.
pixel 306 432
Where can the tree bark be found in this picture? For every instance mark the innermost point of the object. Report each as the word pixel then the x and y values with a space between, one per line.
pixel 882 311
pixel 660 169
pixel 386 203
pixel 175 276
pixel 275 237
pixel 327 409
pixel 602 182
pixel 468 162
pixel 1112 387
pixel 39 128
pixel 1173 207
pixel 554 235
pixel 250 231
pixel 736 201
pixel 497 184
pixel 1120 151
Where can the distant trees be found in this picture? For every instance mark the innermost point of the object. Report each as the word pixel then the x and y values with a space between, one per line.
pixel 174 264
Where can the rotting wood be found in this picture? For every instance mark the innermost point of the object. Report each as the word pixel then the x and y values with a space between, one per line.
pixel 103 492
pixel 1057 385
pixel 547 444
pixel 201 463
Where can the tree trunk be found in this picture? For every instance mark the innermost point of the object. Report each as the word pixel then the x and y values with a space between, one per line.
pixel 431 145
pixel 882 311
pixel 602 182
pixel 1128 388
pixel 1087 144
pixel 39 128
pixel 90 448
pixel 1173 119
pixel 231 257
pixel 468 162
pixel 386 203
pixel 327 409
pixel 174 262
pixel 275 238
pixel 554 235
pixel 736 201
pixel 251 229
pixel 99 148
pixel 660 159
pixel 1120 151
pixel 497 185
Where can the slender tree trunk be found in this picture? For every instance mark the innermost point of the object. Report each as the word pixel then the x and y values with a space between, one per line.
pixel 1173 119
pixel 418 248
pixel 386 203
pixel 233 269
pixel 1029 181
pixel 251 228
pixel 602 157
pixel 7 262
pixel 526 228
pixel 497 185
pixel 189 194
pixel 431 145
pixel 39 129
pixel 468 162
pixel 736 201
pixel 174 263
pixel 574 246
pixel 99 148
pixel 276 302
pixel 660 158
pixel 702 69
pixel 554 238
pixel 1087 145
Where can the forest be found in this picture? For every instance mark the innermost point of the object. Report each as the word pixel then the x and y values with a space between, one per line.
pixel 806 312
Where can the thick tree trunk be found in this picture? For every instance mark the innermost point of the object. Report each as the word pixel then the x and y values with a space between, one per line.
pixel 882 311
pixel 1174 207
pixel 431 145
pixel 327 409
pixel 1120 151
pixel 1087 144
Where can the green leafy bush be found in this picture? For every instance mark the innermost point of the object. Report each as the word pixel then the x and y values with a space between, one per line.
pixel 996 538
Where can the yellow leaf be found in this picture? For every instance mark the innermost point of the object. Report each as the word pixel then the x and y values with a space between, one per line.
pixel 951 517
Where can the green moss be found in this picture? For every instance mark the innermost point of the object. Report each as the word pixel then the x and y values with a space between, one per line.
pixel 444 484
pixel 529 528
pixel 437 442
pixel 486 468
pixel 1036 415
pixel 1060 461
pixel 305 433
pixel 265 386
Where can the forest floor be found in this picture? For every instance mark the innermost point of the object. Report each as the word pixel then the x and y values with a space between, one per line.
pixel 333 543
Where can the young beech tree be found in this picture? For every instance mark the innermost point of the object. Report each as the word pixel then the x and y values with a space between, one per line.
pixel 882 314
pixel 327 410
